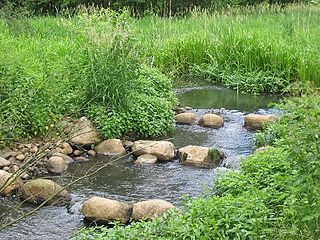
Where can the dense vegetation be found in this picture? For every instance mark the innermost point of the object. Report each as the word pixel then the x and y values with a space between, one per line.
pixel 275 195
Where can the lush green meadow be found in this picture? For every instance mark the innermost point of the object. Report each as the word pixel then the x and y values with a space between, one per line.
pixel 119 71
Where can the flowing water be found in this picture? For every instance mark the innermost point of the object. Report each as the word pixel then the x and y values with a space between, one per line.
pixel 169 181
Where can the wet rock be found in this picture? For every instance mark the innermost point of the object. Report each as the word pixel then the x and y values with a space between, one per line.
pixel 186 118
pixel 146 159
pixel 40 190
pixel 57 165
pixel 163 150
pixel 200 156
pixel 8 180
pixel 66 158
pixel 211 120
pixel 111 147
pixel 4 162
pixel 150 209
pixel 84 133
pixel 92 153
pixel 76 152
pixel 66 148
pixel 106 210
pixel 81 159
pixel 127 144
pixel 256 121
pixel 181 110
pixel 21 157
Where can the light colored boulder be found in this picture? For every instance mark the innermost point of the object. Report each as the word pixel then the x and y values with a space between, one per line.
pixel 150 209
pixel 40 190
pixel 256 121
pixel 111 147
pixel 8 183
pixel 66 158
pixel 200 156
pixel 146 159
pixel 106 210
pixel 56 164
pixel 66 148
pixel 163 150
pixel 84 133
pixel 186 118
pixel 211 120
pixel 4 162
pixel 260 149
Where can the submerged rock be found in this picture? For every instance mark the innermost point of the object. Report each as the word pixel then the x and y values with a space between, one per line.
pixel 163 150
pixel 57 165
pixel 211 120
pixel 186 118
pixel 111 147
pixel 256 121
pixel 201 156
pixel 146 159
pixel 84 133
pixel 106 210
pixel 8 180
pixel 40 190
pixel 150 209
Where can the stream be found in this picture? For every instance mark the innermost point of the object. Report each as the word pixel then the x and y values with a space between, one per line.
pixel 170 181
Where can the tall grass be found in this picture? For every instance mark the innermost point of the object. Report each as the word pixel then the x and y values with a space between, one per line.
pixel 276 44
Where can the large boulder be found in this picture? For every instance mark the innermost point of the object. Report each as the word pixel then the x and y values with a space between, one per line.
pixel 186 118
pixel 106 210
pixel 8 183
pixel 211 120
pixel 40 190
pixel 4 162
pixel 150 209
pixel 146 159
pixel 84 133
pixel 57 164
pixel 256 121
pixel 111 147
pixel 200 156
pixel 163 150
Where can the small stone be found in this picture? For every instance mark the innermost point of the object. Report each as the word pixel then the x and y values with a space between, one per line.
pixel 92 153
pixel 24 150
pixel 14 169
pixel 66 148
pixel 35 149
pixel 261 149
pixel 4 162
pixel 146 159
pixel 77 153
pixel 7 169
pixel 20 157
pixel 25 176
pixel 81 159
pixel 57 165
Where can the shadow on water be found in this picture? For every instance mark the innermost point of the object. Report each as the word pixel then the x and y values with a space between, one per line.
pixel 169 181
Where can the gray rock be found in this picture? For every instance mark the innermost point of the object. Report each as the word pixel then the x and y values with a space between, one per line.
pixel 10 182
pixel 66 158
pixel 111 147
pixel 163 150
pixel 40 190
pixel 4 162
pixel 106 210
pixel 57 165
pixel 84 133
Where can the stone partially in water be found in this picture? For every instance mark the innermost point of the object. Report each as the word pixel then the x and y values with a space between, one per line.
pixel 66 158
pixel 84 133
pixel 186 118
pixel 40 190
pixel 146 159
pixel 106 210
pixel 200 156
pixel 7 179
pixel 111 147
pixel 256 121
pixel 163 150
pixel 57 165
pixel 211 120
pixel 147 210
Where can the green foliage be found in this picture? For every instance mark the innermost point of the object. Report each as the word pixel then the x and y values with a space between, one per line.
pixel 275 195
